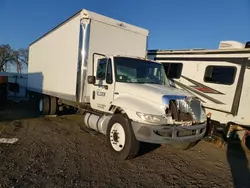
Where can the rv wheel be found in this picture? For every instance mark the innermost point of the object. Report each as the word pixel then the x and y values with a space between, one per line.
pixel 121 139
pixel 44 104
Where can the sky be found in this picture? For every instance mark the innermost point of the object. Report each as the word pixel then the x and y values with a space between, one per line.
pixel 172 24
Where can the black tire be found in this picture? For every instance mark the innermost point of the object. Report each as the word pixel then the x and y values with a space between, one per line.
pixel 184 145
pixel 44 107
pixel 53 105
pixel 131 146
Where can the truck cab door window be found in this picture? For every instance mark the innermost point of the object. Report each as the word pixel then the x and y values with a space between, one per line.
pixel 101 69
pixel 109 78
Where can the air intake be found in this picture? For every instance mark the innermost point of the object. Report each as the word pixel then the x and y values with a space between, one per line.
pixel 231 45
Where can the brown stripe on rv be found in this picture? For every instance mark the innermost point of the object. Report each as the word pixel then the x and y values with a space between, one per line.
pixel 202 87
pixel 238 91
pixel 198 92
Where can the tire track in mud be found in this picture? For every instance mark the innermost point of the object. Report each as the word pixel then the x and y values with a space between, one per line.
pixel 55 152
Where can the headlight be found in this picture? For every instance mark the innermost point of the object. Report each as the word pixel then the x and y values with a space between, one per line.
pixel 151 118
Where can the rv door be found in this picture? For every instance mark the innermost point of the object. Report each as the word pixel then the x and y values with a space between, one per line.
pixel 215 83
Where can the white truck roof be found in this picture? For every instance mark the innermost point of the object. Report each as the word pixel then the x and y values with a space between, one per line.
pixel 100 18
pixel 227 49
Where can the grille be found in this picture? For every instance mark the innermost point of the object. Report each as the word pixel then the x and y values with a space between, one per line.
pixel 180 110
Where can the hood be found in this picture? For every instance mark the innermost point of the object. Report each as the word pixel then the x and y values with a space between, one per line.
pixel 151 92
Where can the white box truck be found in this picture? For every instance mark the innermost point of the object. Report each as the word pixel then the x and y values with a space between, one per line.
pixel 98 64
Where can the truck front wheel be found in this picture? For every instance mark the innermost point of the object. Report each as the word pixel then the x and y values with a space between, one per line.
pixel 121 139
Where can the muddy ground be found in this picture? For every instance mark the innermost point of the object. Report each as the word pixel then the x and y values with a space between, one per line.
pixel 55 152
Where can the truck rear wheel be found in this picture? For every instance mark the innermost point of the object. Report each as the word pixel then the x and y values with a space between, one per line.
pixel 44 104
pixel 121 139
pixel 53 105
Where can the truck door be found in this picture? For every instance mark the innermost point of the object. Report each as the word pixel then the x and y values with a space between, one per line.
pixel 103 89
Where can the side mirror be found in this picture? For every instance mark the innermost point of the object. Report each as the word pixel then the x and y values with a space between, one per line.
pixel 91 79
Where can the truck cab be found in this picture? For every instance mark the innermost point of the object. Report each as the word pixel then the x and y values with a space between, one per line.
pixel 139 105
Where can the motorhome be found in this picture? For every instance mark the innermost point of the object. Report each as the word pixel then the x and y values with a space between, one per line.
pixel 98 64
pixel 220 78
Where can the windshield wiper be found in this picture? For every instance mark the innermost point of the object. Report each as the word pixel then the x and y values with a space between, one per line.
pixel 148 83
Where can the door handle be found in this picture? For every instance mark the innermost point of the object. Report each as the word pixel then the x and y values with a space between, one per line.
pixel 93 95
pixel 104 86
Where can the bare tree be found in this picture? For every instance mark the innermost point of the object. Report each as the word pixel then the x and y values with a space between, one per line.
pixel 23 55
pixel 21 59
pixel 16 61
pixel 9 57
pixel 6 56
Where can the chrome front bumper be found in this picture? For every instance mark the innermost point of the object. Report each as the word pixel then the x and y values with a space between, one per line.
pixel 168 134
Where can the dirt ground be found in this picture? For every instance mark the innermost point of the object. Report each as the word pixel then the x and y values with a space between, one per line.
pixel 55 152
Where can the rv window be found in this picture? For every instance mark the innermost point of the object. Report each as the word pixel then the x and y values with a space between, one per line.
pixel 173 70
pixel 220 74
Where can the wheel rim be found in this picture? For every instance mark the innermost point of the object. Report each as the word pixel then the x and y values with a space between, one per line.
pixel 41 105
pixel 117 137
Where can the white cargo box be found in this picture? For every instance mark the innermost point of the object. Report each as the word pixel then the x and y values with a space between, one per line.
pixel 61 59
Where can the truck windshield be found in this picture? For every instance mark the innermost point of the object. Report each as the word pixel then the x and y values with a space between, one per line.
pixel 131 70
